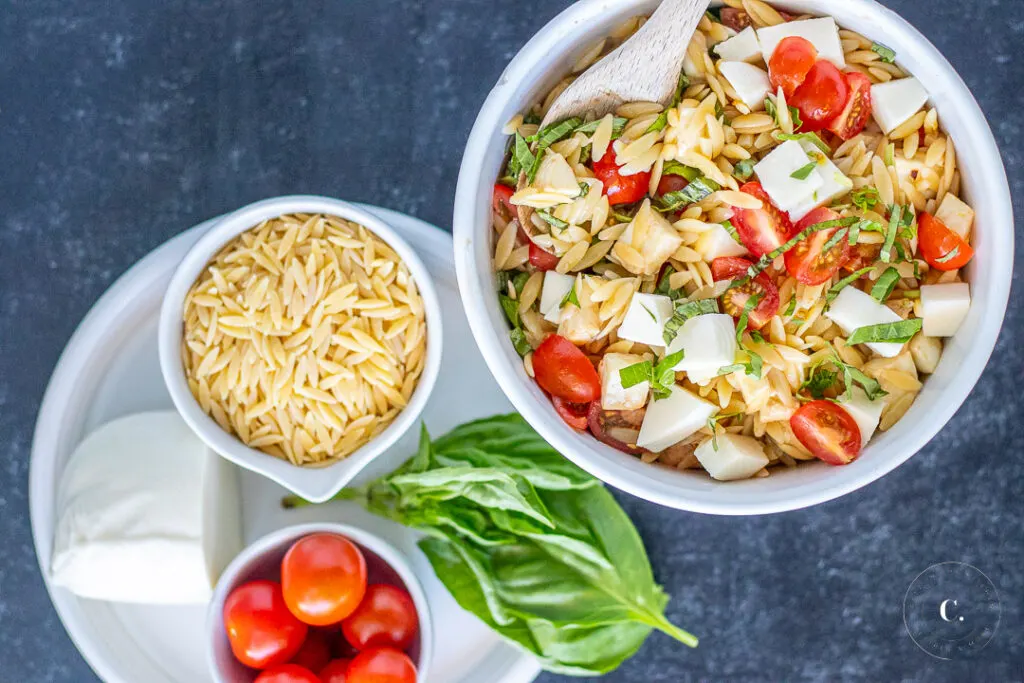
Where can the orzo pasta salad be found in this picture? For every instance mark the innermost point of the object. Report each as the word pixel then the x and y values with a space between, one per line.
pixel 760 273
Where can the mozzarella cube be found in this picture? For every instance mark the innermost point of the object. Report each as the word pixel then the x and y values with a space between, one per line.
pixel 613 395
pixel 736 457
pixel 556 287
pixel 708 343
pixel 645 319
pixel 742 47
pixel 894 102
pixel 833 183
pixel 822 33
pixel 718 242
pixel 865 412
pixel 653 236
pixel 670 420
pixel 749 82
pixel 956 215
pixel 853 308
pixel 776 170
pixel 944 307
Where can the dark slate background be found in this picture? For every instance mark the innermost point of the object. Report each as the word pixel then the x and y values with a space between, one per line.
pixel 124 123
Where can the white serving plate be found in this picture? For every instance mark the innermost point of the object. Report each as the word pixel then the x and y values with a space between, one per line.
pixel 110 369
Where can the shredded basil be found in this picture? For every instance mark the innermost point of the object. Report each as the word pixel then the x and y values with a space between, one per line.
pixel 673 167
pixel 865 198
pixel 870 385
pixel 804 171
pixel 635 374
pixel 729 369
pixel 555 132
pixel 659 123
pixel 834 240
pixel 834 290
pixel 698 189
pixel 662 376
pixel 949 256
pixel 743 169
pixel 766 260
pixel 649 312
pixel 794 114
pixel 618 124
pixel 715 419
pixel 755 365
pixel 819 380
pixel 685 310
pixel 791 308
pixel 519 341
pixel 748 306
pixel 885 284
pixel 731 229
pixel 890 236
pixel 887 54
pixel 524 158
pixel 822 377
pixel 519 281
pixel 896 333
pixel 502 279
pixel 664 285
pixel 809 137
pixel 511 308
pixel 570 297
pixel 551 220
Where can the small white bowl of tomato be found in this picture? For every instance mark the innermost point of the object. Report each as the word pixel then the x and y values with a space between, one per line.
pixel 319 603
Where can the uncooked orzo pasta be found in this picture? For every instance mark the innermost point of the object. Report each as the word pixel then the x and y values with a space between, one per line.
pixel 304 337
pixel 756 274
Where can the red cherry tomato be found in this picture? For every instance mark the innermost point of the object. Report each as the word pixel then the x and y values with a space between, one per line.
pixel 793 58
pixel 336 671
pixel 862 256
pixel 857 110
pixel 261 630
pixel 735 300
pixel 564 371
pixel 501 201
pixel 574 414
pixel 820 98
pixel 385 618
pixel 761 230
pixel 542 260
pixel 620 189
pixel 288 673
pixel 672 183
pixel 381 665
pixel 942 248
pixel 806 262
pixel 324 578
pixel 315 652
pixel 828 431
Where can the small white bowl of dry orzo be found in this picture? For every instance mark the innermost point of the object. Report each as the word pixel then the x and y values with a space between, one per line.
pixel 299 338
pixel 757 296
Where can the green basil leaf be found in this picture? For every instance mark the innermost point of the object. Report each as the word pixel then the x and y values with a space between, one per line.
pixel 896 332
pixel 502 279
pixel 755 365
pixel 635 374
pixel 511 308
pixel 819 380
pixel 870 385
pixel 570 297
pixel 835 239
pixel 673 167
pixel 519 341
pixel 551 220
pixel 791 308
pixel 684 311
pixel 885 284
pixel 834 290
pixel 794 114
pixel 743 169
pixel 731 229
pixel 949 256
pixel 809 137
pixel 887 54
pixel 589 128
pixel 865 198
pixel 555 132
pixel 766 260
pixel 664 285
pixel 729 369
pixel 890 236
pixel 804 171
pixel 659 123
pixel 698 189
pixel 522 154
pixel 519 281
pixel 741 325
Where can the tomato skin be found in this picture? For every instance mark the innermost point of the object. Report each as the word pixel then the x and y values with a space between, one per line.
pixel 315 652
pixel 564 371
pixel 729 267
pixel 620 189
pixel 936 241
pixel 288 673
pixel 805 261
pixel 672 183
pixel 821 97
pixel 596 418
pixel 574 414
pixel 336 671
pixel 828 431
pixel 862 256
pixel 761 230
pixel 385 618
pixel 381 665
pixel 501 201
pixel 261 630
pixel 735 300
pixel 793 58
pixel 542 260
pixel 857 110
pixel 324 578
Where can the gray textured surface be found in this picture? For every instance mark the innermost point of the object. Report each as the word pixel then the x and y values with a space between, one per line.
pixel 122 124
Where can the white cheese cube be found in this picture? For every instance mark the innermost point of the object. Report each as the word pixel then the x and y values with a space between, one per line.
pixel 742 47
pixel 944 307
pixel 553 291
pixel 670 420
pixel 955 215
pixel 613 395
pixel 865 412
pixel 749 82
pixel 822 33
pixel 894 102
pixel 708 343
pixel 645 319
pixel 853 308
pixel 718 242
pixel 653 236
pixel 776 170
pixel 737 457
pixel 833 183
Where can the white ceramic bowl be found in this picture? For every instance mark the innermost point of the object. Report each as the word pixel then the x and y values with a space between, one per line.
pixel 262 560
pixel 319 483
pixel 539 65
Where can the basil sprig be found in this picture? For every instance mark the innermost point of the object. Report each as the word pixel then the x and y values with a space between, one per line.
pixel 898 332
pixel 826 373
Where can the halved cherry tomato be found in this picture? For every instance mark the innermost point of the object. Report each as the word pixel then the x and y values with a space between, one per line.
pixel 736 19
pixel 938 244
pixel 315 652
pixel 542 260
pixel 574 414
pixel 862 256
pixel 828 431
pixel 501 201
pixel 672 183
pixel 854 117
pixel 564 371
pixel 381 665
pixel 821 96
pixel 288 673
pixel 620 189
pixel 735 300
pixel 806 262
pixel 761 230
pixel 261 630
pixel 336 671
pixel 324 578
pixel 385 618
pixel 793 58
pixel 605 425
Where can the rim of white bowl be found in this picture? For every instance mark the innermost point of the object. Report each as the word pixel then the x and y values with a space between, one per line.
pixel 271 542
pixel 986 184
pixel 313 484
